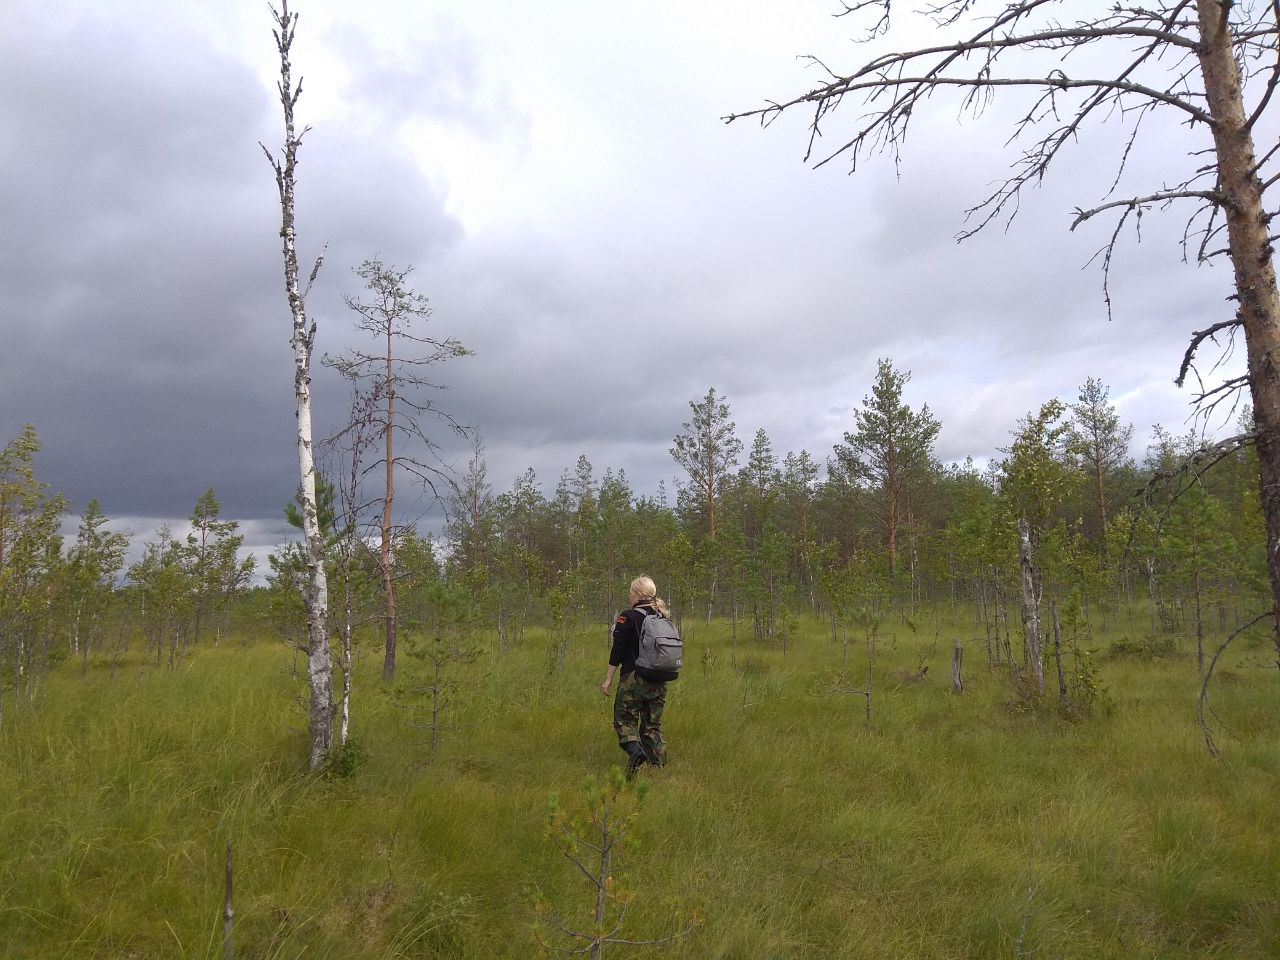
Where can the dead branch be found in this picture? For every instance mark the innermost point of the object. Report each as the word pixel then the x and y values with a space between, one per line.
pixel 1208 675
pixel 1194 466
pixel 1211 196
pixel 1199 337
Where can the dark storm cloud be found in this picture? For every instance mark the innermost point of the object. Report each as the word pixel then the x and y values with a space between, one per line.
pixel 147 331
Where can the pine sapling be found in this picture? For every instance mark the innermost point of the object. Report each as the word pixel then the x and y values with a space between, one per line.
pixel 430 695
pixel 591 842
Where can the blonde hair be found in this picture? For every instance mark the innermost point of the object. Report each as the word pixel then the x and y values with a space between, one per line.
pixel 646 591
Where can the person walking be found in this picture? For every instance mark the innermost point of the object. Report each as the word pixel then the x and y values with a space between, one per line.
pixel 642 693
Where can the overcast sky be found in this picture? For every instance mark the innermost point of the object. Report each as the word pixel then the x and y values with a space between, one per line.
pixel 559 176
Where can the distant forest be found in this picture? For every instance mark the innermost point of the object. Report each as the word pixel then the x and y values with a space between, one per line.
pixel 1066 524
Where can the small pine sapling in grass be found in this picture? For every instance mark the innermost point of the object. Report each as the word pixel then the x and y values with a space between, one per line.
pixel 1086 690
pixel 591 842
pixel 786 627
pixel 864 588
pixel 429 694
pixel 869 619
pixel 557 600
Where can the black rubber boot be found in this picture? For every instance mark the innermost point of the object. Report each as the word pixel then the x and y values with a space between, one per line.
pixel 636 754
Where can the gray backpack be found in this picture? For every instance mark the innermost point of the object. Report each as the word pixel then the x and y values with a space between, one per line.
pixel 661 648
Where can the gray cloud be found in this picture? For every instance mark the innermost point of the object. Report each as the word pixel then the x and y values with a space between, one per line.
pixel 612 253
pixel 147 324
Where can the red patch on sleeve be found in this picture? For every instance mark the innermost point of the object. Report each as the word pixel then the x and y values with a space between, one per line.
pixel 622 619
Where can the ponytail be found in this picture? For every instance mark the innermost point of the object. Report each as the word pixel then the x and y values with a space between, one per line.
pixel 646 593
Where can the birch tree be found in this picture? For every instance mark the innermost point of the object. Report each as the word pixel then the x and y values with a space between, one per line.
pixel 30 555
pixel 1211 64
pixel 162 593
pixel 1034 483
pixel 316 587
pixel 93 564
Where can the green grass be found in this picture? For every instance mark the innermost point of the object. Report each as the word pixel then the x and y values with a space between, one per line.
pixel 955 827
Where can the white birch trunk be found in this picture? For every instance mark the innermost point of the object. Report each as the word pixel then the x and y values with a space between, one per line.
pixel 316 589
pixel 347 667
pixel 1030 606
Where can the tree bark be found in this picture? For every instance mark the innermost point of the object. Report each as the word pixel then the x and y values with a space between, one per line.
pixel 1251 259
pixel 1100 493
pixel 1030 606
pixel 388 586
pixel 316 590
pixel 1158 617
pixel 1057 655
pixel 891 509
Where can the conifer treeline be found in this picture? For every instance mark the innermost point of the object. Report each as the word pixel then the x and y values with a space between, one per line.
pixel 761 537
pixel 63 598
pixel 752 536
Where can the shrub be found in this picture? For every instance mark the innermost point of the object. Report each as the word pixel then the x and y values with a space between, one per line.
pixel 1146 647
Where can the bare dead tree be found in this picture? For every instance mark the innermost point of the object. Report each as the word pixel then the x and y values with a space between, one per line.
pixel 316 588
pixel 1213 64
pixel 1063 696
pixel 348 448
pixel 394 315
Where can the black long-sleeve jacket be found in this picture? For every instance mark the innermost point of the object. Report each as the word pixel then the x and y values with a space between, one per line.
pixel 626 644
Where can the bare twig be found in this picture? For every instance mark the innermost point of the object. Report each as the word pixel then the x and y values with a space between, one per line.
pixel 1203 699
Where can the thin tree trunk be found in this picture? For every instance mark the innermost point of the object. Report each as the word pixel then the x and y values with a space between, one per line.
pixel 891 509
pixel 75 628
pixel 388 585
pixel 871 666
pixel 1199 627
pixel 1102 500
pixel 602 888
pixel 986 618
pixel 348 668
pixel 1157 604
pixel 733 629
pixel 1057 653
pixel 999 609
pixel 316 592
pixel 436 705
pixel 1030 607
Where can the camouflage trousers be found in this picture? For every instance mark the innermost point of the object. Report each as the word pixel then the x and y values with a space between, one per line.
pixel 637 717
